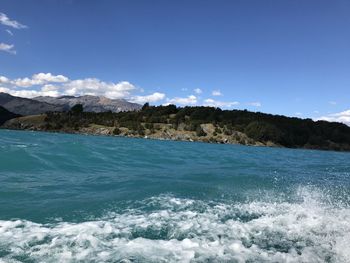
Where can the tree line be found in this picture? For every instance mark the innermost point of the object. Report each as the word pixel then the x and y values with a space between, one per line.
pixel 282 130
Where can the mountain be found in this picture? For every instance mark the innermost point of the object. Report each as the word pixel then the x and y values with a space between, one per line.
pixel 6 115
pixel 39 105
pixel 26 106
pixel 91 103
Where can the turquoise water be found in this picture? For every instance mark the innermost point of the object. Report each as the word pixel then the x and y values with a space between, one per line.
pixel 73 198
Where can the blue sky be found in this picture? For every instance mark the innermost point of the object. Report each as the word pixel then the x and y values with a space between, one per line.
pixel 281 57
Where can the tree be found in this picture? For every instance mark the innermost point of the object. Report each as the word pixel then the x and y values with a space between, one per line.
pixel 262 131
pixel 77 109
pixel 200 132
pixel 145 106
pixel 289 132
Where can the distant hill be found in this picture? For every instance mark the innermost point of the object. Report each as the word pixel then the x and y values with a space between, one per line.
pixel 39 105
pixel 6 115
pixel 24 106
pixel 91 103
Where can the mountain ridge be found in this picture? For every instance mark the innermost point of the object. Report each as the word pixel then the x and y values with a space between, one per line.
pixel 43 104
pixel 91 103
pixel 25 106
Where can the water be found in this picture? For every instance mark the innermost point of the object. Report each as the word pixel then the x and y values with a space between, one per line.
pixel 72 198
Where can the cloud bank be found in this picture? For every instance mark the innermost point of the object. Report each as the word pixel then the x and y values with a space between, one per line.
pixel 220 104
pixel 343 117
pixel 157 96
pixel 49 84
pixel 190 100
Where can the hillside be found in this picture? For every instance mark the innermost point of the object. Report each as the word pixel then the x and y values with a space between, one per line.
pixel 6 115
pixel 24 106
pixel 205 124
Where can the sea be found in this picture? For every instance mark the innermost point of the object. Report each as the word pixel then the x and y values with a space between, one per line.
pixel 80 198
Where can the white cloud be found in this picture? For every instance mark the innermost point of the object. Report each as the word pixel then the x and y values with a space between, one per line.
pixel 197 91
pixel 28 93
pixel 216 93
pixel 298 114
pixel 5 90
pixel 5 20
pixel 96 87
pixel 332 102
pixel 25 93
pixel 9 32
pixel 25 82
pixel 50 90
pixel 4 79
pixel 89 86
pixel 343 117
pixel 254 104
pixel 7 48
pixel 48 77
pixel 49 87
pixel 157 96
pixel 190 100
pixel 39 79
pixel 220 104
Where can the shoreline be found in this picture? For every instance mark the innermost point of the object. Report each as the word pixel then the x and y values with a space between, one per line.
pixel 143 125
pixel 167 139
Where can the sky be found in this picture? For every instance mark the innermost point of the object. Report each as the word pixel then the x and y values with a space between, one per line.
pixel 275 56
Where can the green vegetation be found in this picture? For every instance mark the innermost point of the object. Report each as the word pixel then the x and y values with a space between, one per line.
pixel 77 109
pixel 280 130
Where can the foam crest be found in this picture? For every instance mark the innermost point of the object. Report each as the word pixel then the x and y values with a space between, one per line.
pixel 183 230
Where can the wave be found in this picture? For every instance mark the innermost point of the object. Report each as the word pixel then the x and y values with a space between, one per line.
pixel 170 229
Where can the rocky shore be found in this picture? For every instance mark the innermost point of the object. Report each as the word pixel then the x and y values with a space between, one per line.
pixel 159 131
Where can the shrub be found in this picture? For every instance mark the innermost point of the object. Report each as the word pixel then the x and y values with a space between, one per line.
pixel 149 126
pixel 77 109
pixel 116 131
pixel 200 132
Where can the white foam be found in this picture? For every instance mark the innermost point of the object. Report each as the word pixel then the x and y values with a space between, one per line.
pixel 183 230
